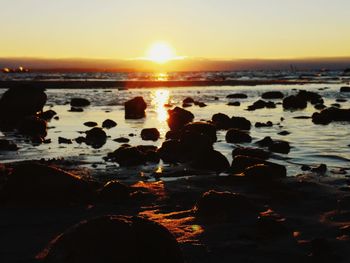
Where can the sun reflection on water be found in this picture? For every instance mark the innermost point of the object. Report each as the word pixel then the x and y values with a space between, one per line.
pixel 160 98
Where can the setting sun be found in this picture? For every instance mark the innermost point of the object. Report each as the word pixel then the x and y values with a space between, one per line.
pixel 161 52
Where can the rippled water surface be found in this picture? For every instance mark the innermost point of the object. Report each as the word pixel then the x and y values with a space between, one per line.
pixel 311 144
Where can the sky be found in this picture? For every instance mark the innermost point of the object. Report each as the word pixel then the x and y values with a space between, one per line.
pixel 210 29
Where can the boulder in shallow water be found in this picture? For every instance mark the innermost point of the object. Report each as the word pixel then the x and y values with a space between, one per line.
pixel 221 121
pixel 272 95
pixel 237 96
pixel 237 136
pixel 109 124
pixel 79 102
pixel 135 108
pixel 212 161
pixel 240 123
pixel 178 118
pixel 202 128
pixel 96 137
pixel 131 156
pixel 252 152
pixel 90 124
pixel 47 115
pixel 263 171
pixel 114 239
pixel 6 145
pixel 345 89
pixel 150 134
pixel 33 127
pixel 331 114
pixel 277 146
pixel 294 102
pixel 114 191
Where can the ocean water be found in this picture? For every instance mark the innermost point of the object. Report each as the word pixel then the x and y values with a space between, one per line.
pixel 311 144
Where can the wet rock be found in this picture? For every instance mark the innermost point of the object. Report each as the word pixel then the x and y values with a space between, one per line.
pixel 194 144
pixel 80 140
pixel 345 89
pixel 312 97
pixel 178 118
pixel 305 168
pixel 171 151
pixel 216 207
pixel 62 140
pixel 202 128
pixel 114 239
pixel 221 121
pixel 240 123
pixel 127 155
pixel 261 124
pixel 263 172
pixel 173 135
pixel 302 117
pixel 135 108
pixel 277 146
pixel 96 137
pixel 341 100
pixel 234 103
pixel 294 102
pixel 251 152
pixel 6 145
pixel 240 163
pixel 150 153
pixel 39 184
pixel 188 101
pixel 186 105
pixel 33 127
pixel 336 105
pixel 331 114
pixel 76 109
pixel 90 124
pixel 151 134
pixel 211 160
pixel 272 95
pixel 321 169
pixel 114 191
pixel 122 140
pixel 237 136
pixel 261 104
pixel 320 106
pixel 79 102
pixel 201 104
pixel 237 96
pixel 18 103
pixel 47 115
pixel 284 133
pixel 109 124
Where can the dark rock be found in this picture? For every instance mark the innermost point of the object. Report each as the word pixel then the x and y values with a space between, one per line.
pixel 178 118
pixel 261 124
pixel 6 145
pixel 18 103
pixel 122 140
pixel 251 152
pixel 321 169
pixel 320 106
pixel 109 124
pixel 80 140
pixel 272 95
pixel 201 104
pixel 235 103
pixel 173 135
pixel 151 134
pixel 132 156
pixel 90 124
pixel 171 151
pixel 79 102
pixel 194 144
pixel 240 123
pixel 150 153
pixel 186 105
pixel 260 104
pixel 341 100
pixel 240 163
pixel 114 191
pixel 284 133
pixel 188 101
pixel 47 115
pixel 33 127
pixel 336 105
pixel 114 239
pixel 237 96
pixel 312 97
pixel 271 226
pixel 221 121
pixel 302 117
pixel 331 114
pixel 217 207
pixel 277 146
pixel 345 89
pixel 294 102
pixel 96 137
pixel 211 160
pixel 202 128
pixel 38 184
pixel 263 172
pixel 237 136
pixel 62 140
pixel 135 108
pixel 305 168
pixel 76 109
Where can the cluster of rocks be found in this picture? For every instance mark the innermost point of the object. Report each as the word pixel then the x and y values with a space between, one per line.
pixel 188 102
pixel 300 100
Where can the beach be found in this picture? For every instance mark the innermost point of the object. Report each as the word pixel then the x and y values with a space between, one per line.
pixel 299 198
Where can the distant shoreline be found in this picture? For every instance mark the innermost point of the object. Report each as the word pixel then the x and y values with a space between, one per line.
pixel 80 84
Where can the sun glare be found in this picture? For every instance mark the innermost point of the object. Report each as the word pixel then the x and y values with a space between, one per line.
pixel 161 52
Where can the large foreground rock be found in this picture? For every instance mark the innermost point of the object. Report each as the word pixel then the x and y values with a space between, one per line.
pixel 79 102
pixel 178 118
pixel 331 114
pixel 38 184
pixel 135 108
pixel 114 239
pixel 96 137
pixel 202 128
pixel 237 136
